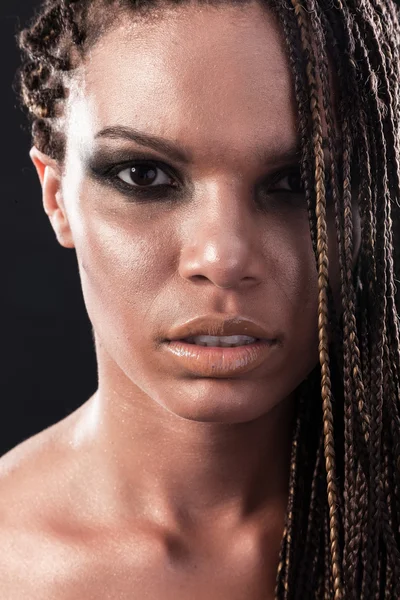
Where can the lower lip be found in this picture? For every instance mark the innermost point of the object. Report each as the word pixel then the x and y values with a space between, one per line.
pixel 215 361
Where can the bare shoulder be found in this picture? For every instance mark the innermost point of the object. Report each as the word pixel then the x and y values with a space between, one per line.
pixel 32 472
pixel 36 545
pixel 61 536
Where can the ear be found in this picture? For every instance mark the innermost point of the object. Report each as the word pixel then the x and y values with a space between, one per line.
pixel 49 174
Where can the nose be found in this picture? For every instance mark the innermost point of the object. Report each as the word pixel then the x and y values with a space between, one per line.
pixel 223 239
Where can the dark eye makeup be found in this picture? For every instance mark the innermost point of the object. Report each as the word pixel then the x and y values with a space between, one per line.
pixel 137 177
pixel 107 169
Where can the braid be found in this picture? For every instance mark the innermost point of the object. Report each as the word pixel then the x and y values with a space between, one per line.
pixel 353 391
pixel 306 581
pixel 47 55
pixel 322 251
pixel 342 531
pixel 290 515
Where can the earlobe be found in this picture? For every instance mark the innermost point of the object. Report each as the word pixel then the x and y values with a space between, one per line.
pixel 49 175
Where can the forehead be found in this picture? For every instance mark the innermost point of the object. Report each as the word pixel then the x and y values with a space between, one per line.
pixel 214 77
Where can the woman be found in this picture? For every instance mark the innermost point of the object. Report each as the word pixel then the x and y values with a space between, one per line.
pixel 227 173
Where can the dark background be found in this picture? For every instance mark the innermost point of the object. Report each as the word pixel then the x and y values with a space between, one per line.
pixel 47 356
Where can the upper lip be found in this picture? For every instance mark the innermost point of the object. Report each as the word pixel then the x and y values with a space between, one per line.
pixel 218 325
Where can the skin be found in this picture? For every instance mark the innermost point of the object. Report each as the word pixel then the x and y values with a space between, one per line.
pixel 164 485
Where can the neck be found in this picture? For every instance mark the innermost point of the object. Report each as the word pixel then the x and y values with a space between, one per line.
pixel 178 469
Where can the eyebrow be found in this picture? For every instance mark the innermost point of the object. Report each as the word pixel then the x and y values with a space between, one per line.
pixel 283 155
pixel 144 139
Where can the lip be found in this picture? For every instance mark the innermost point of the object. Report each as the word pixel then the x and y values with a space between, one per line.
pixel 220 325
pixel 218 362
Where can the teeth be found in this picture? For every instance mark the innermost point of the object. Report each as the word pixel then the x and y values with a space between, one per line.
pixel 228 341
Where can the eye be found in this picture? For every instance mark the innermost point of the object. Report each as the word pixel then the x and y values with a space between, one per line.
pixel 289 182
pixel 144 175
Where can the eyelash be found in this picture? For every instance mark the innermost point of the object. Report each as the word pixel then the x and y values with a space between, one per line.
pixel 109 174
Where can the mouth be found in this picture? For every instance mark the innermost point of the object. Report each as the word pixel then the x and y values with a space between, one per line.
pixel 231 341
pixel 218 345
pixel 219 361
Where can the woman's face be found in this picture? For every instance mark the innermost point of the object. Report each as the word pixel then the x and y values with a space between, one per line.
pixel 216 223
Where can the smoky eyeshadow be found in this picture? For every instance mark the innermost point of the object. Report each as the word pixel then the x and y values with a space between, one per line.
pixel 103 166
pixel 102 161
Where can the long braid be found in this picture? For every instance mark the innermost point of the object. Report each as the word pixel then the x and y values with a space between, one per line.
pixel 289 22
pixel 290 515
pixel 356 363
pixel 370 580
pixel 306 580
pixel 353 388
pixel 349 479
pixel 367 202
pixel 322 250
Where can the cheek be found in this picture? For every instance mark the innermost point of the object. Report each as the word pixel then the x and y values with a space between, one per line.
pixel 294 293
pixel 291 251
pixel 122 265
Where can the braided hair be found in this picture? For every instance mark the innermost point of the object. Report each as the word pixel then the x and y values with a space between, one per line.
pixel 342 532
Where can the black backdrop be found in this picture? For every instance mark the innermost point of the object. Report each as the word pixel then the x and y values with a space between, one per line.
pixel 47 357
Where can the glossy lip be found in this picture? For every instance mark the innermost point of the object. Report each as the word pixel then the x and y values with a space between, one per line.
pixel 216 361
pixel 219 362
pixel 219 325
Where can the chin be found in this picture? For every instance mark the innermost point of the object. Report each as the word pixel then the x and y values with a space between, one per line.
pixel 226 401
